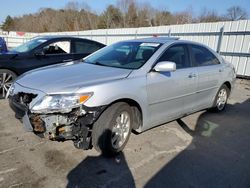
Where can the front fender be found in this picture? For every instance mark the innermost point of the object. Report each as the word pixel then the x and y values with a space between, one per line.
pixel 127 88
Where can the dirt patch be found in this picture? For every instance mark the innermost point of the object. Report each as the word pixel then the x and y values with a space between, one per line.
pixel 57 160
pixel 218 154
pixel 5 134
pixel 1 127
pixel 243 82
pixel 29 179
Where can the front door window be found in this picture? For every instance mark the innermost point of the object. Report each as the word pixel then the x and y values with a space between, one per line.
pixel 60 47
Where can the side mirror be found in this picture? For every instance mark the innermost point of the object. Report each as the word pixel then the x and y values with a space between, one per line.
pixel 165 66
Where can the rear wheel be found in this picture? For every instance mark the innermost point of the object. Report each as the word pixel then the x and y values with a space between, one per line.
pixel 6 79
pixel 221 99
pixel 112 130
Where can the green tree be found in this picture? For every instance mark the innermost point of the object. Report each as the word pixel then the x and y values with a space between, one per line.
pixel 132 16
pixel 209 16
pixel 110 18
pixel 236 13
pixel 163 18
pixel 8 23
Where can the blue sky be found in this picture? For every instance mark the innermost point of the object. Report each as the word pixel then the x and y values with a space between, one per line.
pixel 19 7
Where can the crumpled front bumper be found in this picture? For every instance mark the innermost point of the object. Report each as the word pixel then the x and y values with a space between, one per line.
pixel 23 114
pixel 26 123
pixel 19 109
pixel 76 125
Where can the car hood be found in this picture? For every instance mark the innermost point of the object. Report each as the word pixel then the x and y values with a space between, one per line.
pixel 7 55
pixel 67 78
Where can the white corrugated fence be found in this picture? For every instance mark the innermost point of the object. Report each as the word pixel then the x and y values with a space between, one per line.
pixel 231 39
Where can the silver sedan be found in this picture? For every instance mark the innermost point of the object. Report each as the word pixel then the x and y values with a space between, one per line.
pixel 135 84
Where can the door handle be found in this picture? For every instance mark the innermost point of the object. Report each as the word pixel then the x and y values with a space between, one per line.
pixel 191 75
pixel 67 60
pixel 220 70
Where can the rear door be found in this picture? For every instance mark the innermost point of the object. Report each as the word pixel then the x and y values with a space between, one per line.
pixel 171 94
pixel 209 70
pixel 83 48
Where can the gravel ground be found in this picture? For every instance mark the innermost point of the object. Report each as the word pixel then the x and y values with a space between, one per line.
pixel 202 150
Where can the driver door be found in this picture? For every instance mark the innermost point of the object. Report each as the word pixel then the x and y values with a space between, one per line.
pixel 171 94
pixel 52 53
pixel 55 52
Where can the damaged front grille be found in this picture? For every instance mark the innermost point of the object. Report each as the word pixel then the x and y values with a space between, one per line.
pixel 20 103
pixel 38 124
pixel 25 98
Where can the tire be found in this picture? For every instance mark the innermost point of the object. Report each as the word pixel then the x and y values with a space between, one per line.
pixel 221 98
pixel 106 135
pixel 6 79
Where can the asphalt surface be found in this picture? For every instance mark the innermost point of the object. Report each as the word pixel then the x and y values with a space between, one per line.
pixel 202 150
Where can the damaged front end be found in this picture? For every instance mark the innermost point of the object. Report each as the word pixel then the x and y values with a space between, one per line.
pixel 71 123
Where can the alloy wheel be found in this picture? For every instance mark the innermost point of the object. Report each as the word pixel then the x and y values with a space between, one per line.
pixel 221 99
pixel 120 131
pixel 6 80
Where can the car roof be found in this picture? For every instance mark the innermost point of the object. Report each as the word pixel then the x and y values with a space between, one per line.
pixel 52 37
pixel 164 40
pixel 161 40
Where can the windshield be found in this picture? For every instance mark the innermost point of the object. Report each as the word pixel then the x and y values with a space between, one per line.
pixel 127 55
pixel 29 45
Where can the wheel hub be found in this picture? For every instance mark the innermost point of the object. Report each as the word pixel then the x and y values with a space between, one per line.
pixel 121 129
pixel 222 99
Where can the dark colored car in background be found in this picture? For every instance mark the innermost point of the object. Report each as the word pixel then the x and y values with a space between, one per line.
pixel 40 52
pixel 3 46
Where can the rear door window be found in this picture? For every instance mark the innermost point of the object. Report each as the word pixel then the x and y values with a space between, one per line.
pixel 203 57
pixel 85 47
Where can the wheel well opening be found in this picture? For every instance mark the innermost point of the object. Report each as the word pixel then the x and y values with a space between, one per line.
pixel 136 109
pixel 228 85
pixel 3 69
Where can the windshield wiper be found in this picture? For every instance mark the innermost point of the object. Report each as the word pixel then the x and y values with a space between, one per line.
pixel 98 63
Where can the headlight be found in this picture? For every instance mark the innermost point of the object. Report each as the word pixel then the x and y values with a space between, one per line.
pixel 60 103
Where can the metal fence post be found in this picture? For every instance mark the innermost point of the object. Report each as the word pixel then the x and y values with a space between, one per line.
pixel 106 37
pixel 220 40
pixel 169 32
